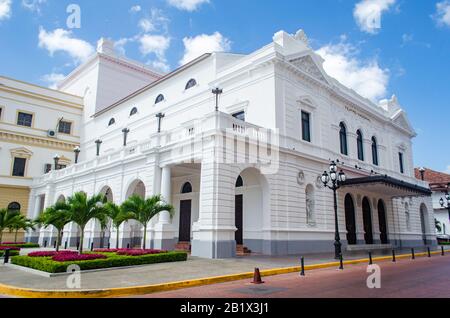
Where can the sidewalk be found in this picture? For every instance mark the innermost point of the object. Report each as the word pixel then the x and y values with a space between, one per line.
pixel 194 268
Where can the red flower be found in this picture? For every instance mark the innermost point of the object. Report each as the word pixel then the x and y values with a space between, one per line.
pixel 139 252
pixel 52 253
pixel 77 257
pixel 2 248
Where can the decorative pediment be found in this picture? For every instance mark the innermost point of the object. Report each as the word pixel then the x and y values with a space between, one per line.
pixel 401 120
pixel 307 64
pixel 21 152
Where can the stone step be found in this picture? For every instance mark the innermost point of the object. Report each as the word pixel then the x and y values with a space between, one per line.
pixel 242 250
pixel 183 246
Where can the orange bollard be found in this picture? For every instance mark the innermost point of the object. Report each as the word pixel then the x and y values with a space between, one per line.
pixel 257 277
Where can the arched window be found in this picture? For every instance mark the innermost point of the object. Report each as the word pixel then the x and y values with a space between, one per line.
pixel 374 151
pixel 239 182
pixel 14 207
pixel 159 99
pixel 112 121
pixel 187 188
pixel 360 144
pixel 343 139
pixel 191 83
pixel 310 205
pixel 133 111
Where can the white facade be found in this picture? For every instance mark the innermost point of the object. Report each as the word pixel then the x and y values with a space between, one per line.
pixel 285 208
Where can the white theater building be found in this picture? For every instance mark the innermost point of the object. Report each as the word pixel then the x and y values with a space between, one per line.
pixel 248 174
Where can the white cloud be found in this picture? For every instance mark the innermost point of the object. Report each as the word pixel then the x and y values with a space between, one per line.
pixel 33 5
pixel 160 65
pixel 53 79
pixel 5 9
pixel 367 78
pixel 63 40
pixel 203 43
pixel 157 21
pixel 135 9
pixel 442 15
pixel 146 25
pixel 448 169
pixel 188 5
pixel 157 45
pixel 367 14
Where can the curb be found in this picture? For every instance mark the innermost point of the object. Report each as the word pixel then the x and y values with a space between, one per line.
pixel 149 289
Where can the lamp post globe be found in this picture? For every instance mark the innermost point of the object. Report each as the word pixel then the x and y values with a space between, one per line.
pixel 56 159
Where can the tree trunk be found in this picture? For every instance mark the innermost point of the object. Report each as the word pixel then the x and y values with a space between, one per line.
pixel 58 240
pixel 117 237
pixel 1 235
pixel 81 239
pixel 15 236
pixel 145 236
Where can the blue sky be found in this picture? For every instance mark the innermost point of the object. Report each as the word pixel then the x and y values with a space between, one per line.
pixel 377 47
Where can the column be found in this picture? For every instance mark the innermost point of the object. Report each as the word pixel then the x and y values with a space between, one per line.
pixel 48 234
pixel 164 232
pixel 214 233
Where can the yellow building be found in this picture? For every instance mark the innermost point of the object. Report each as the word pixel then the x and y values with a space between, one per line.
pixel 37 124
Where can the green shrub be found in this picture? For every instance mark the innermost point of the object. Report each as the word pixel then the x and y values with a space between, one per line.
pixel 46 264
pixel 11 253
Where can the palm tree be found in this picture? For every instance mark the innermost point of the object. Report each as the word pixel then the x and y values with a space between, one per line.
pixel 118 216
pixel 145 209
pixel 57 216
pixel 438 225
pixel 7 219
pixel 84 209
pixel 20 222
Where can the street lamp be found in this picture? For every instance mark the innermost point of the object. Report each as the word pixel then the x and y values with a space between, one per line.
pixel 336 179
pixel 56 159
pixel 125 132
pixel 217 91
pixel 77 151
pixel 98 143
pixel 447 197
pixel 422 173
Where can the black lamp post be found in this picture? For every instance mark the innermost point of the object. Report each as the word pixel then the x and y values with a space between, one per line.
pixel 422 173
pixel 56 159
pixel 77 151
pixel 336 179
pixel 125 132
pixel 447 198
pixel 98 143
pixel 217 91
pixel 160 116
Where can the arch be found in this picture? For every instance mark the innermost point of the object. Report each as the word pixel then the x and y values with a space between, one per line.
pixel 252 202
pixel 310 204
pixel 111 122
pixel 350 219
pixel 191 83
pixel 160 98
pixel 133 111
pixel 187 188
pixel 360 144
pixel 374 151
pixel 107 192
pixel 382 220
pixel 367 220
pixel 343 138
pixel 14 207
pixel 136 187
pixel 424 222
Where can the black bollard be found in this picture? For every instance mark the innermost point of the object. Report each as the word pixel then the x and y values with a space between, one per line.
pixel 302 273
pixel 6 256
pixel 370 258
pixel 341 262
pixel 413 255
pixel 65 245
pixel 45 243
pixel 128 246
pixel 109 245
pixel 54 245
pixel 92 246
pixel 442 251
pixel 429 252
pixel 393 256
pixel 78 245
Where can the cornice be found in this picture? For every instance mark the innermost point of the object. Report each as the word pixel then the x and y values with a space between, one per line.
pixel 18 138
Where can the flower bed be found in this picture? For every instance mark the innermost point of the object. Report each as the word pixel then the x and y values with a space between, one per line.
pixel 139 252
pixel 108 260
pixel 69 257
pixel 51 253
pixel 20 245
pixel 3 248
pixel 11 252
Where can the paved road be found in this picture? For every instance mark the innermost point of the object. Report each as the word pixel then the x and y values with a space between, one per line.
pixel 421 278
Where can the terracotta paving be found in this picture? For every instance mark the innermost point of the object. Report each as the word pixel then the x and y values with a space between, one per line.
pixel 421 278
